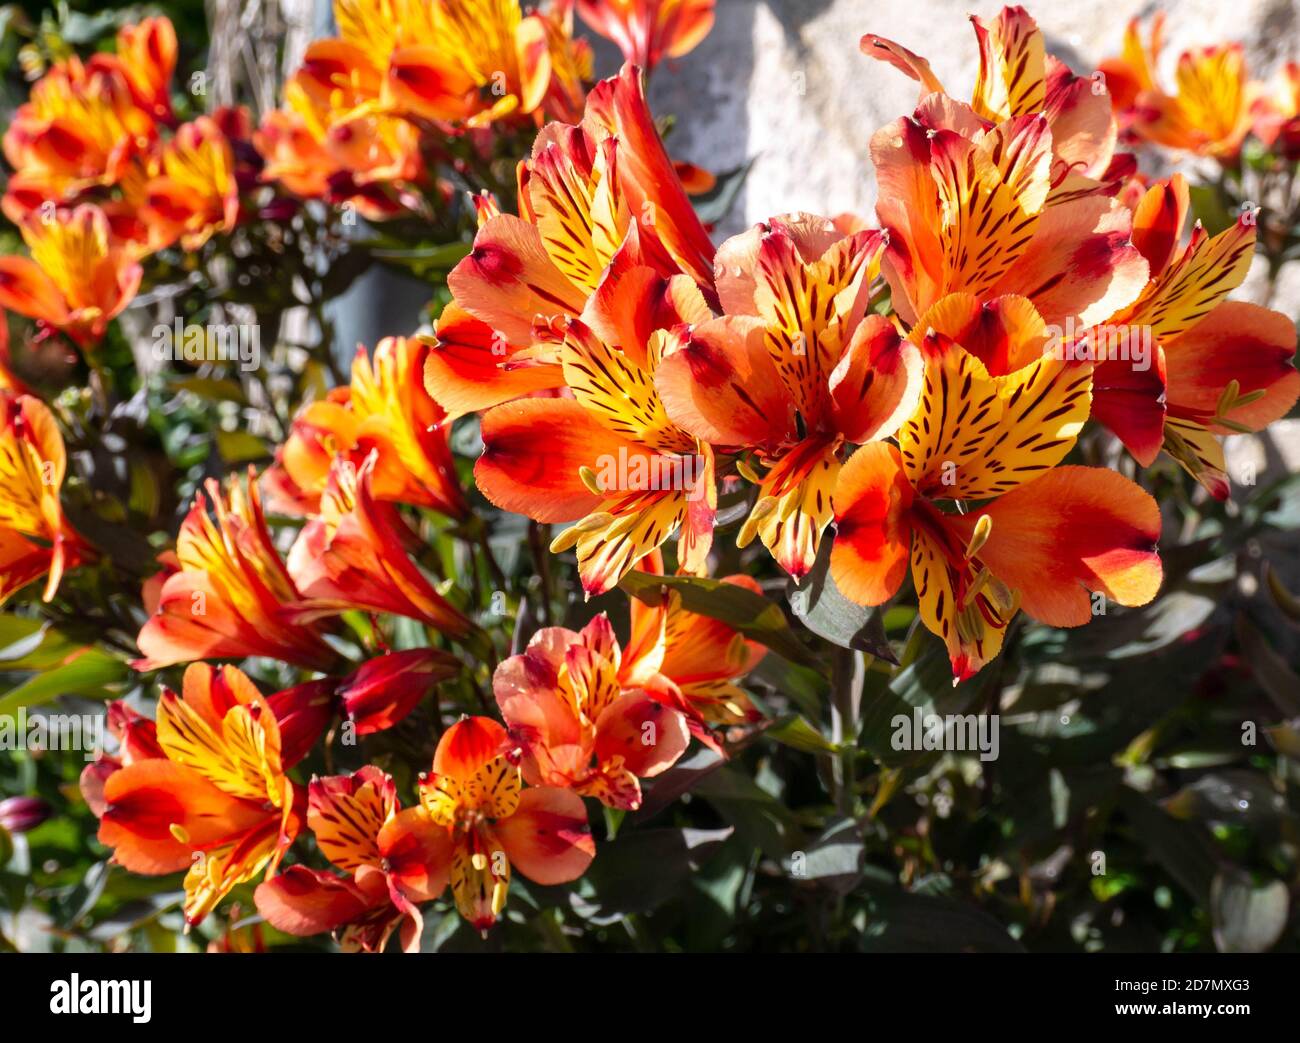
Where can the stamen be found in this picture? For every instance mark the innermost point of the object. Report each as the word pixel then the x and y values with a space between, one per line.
pixel 979 536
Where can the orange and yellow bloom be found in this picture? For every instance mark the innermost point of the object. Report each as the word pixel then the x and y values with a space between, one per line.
pixel 1209 112
pixel 353 555
pixel 226 593
pixel 79 276
pixel 586 718
pixel 394 859
pixel 35 538
pixel 475 794
pixel 1221 367
pixel 216 803
pixel 991 428
pixel 385 410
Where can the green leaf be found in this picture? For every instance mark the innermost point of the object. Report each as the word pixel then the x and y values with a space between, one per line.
pixel 903 921
pixel 793 730
pixel 32 644
pixel 760 819
pixel 758 618
pixel 237 447
pixel 822 608
pixel 640 870
pixel 212 389
pixel 1182 849
pixel 835 860
pixel 925 684
pixel 88 676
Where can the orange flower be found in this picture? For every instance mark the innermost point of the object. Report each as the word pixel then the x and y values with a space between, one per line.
pixel 996 417
pixel 614 460
pixel 588 193
pixel 474 793
pixel 35 538
pixel 217 802
pixel 393 859
pixel 703 657
pixel 793 371
pixel 1017 77
pixel 647 31
pixel 147 54
pixel 81 127
pixel 1220 367
pixel 1277 114
pixel 196 195
pixel 387 410
pixel 352 556
pixel 482 60
pixel 227 594
pixel 1209 114
pixel 973 207
pixel 79 276
pixel 586 719
pixel 334 138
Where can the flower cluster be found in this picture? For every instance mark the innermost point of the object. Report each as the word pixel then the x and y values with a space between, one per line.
pixel 106 176
pixel 206 787
pixel 896 402
pixel 962 346
pixel 403 79
pixel 1215 104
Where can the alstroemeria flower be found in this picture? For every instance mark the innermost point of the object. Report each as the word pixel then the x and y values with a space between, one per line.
pixel 352 555
pixel 137 739
pixel 588 193
pixel 615 460
pixel 475 794
pixel 793 371
pixel 393 859
pixel 196 195
pixel 969 207
pixel 79 276
pixel 587 720
pixel 1017 77
pixel 702 656
pixel 647 31
pixel 334 139
pixel 146 51
pixel 996 417
pixel 35 538
pixel 227 593
pixel 386 409
pixel 80 128
pixel 217 802
pixel 1218 367
pixel 1209 113
pixel 479 61
pixel 383 690
pixel 1277 114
